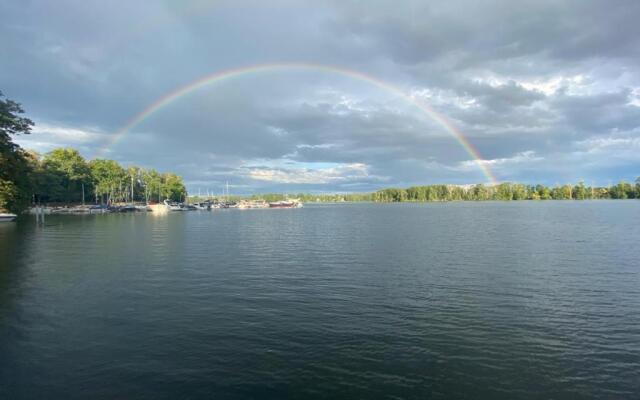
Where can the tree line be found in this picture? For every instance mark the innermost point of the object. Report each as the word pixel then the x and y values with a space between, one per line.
pixel 480 192
pixel 508 191
pixel 64 176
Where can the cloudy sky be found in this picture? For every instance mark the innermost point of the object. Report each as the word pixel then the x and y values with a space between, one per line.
pixel 546 91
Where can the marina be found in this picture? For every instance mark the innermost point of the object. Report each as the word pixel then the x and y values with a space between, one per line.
pixel 165 206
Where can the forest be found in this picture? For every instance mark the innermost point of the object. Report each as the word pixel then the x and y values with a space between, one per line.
pixel 64 176
pixel 508 191
pixel 501 192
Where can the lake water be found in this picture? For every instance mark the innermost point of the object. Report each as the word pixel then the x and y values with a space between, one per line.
pixel 521 300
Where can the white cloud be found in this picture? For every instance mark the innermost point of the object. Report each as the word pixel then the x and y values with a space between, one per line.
pixel 573 84
pixel 45 137
pixel 620 147
pixel 336 174
pixel 317 146
pixel 519 158
pixel 439 97
pixel 277 131
pixel 635 97
pixel 64 134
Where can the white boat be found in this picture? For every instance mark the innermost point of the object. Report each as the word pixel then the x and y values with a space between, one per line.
pixel 6 217
pixel 286 204
pixel 202 206
pixel 253 204
pixel 174 206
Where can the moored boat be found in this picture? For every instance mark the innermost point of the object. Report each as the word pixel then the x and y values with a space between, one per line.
pixel 7 217
pixel 124 209
pixel 99 209
pixel 244 204
pixel 228 204
pixel 285 204
pixel 206 205
pixel 172 206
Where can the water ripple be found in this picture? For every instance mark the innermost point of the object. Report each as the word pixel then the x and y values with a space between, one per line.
pixel 459 300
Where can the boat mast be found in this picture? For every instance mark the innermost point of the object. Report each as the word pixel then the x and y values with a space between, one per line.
pixel 131 188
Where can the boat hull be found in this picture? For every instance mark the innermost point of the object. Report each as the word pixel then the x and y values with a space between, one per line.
pixel 7 217
pixel 285 204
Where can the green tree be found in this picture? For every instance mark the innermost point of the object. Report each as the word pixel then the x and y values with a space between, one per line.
pixel 136 183
pixel 172 187
pixel 15 169
pixel 519 192
pixel 504 191
pixel 543 192
pixel 479 192
pixel 74 170
pixel 562 192
pixel 108 180
pixel 152 184
pixel 48 185
pixel 622 190
pixel 580 191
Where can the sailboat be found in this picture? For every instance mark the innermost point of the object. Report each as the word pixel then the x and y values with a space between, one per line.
pixel 227 202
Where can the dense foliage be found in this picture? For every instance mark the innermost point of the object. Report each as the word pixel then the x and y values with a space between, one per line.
pixel 480 192
pixel 15 183
pixel 508 191
pixel 64 176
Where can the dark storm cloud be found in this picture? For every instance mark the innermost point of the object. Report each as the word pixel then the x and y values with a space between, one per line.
pixel 599 112
pixel 470 33
pixel 502 98
pixel 546 90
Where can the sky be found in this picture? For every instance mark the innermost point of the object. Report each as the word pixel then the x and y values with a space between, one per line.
pixel 363 95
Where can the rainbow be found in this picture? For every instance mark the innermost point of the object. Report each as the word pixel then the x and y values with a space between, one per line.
pixel 219 76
